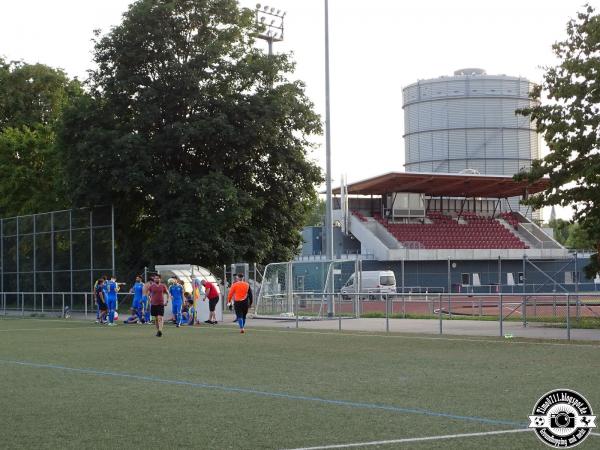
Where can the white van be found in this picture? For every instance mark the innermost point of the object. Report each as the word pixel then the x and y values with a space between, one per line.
pixel 371 282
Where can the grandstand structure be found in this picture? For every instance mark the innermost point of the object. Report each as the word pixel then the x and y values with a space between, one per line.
pixel 433 216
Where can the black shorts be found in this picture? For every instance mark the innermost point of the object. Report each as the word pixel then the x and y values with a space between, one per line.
pixel 241 308
pixel 102 306
pixel 157 310
pixel 212 303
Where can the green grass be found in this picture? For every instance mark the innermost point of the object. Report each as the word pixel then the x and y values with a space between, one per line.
pixel 46 407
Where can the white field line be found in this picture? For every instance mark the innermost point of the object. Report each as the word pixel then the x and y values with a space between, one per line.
pixel 44 329
pixel 416 439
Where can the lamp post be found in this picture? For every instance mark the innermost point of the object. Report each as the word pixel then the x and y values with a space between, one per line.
pixel 328 201
pixel 270 23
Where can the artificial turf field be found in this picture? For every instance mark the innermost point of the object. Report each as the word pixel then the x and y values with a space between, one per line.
pixel 72 384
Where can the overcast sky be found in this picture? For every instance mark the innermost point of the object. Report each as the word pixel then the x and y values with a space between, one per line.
pixel 377 47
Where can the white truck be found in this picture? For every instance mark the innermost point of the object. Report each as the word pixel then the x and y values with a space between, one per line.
pixel 371 282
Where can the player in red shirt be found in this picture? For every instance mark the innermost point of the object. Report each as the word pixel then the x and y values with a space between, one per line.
pixel 212 294
pixel 156 292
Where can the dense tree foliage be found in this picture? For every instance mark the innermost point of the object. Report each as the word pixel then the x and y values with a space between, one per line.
pixel 571 235
pixel 569 118
pixel 32 98
pixel 198 139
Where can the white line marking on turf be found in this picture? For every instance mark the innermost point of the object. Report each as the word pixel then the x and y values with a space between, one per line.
pixel 45 329
pixel 416 439
pixel 283 395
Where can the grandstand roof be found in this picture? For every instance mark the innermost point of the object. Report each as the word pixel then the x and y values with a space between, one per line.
pixel 446 185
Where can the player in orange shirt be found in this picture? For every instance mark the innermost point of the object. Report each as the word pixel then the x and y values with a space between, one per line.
pixel 241 294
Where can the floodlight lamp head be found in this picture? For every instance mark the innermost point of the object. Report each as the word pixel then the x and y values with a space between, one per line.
pixel 258 6
pixel 278 11
pixel 266 8
pixel 262 19
pixel 272 10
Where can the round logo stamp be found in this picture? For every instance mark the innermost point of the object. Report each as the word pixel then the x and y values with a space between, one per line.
pixel 562 418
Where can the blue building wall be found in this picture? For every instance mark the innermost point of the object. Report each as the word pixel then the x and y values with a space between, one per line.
pixel 314 244
pixel 432 276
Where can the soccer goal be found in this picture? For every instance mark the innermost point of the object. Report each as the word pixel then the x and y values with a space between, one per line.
pixel 307 290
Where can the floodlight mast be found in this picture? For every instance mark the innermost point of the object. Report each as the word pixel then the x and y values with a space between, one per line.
pixel 270 23
pixel 328 200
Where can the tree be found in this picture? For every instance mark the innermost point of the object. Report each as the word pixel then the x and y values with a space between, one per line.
pixel 561 230
pixel 198 139
pixel 579 238
pixel 32 98
pixel 569 118
pixel 316 213
pixel 33 94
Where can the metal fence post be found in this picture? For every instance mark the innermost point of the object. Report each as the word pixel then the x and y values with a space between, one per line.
pixel 62 311
pixel 387 314
pixel 85 305
pixel 403 298
pixel 568 314
pixel 524 307
pixel 480 308
pixel 440 312
pixel 449 290
pixel 22 304
pixel 4 301
pixel 501 315
pixel 296 310
pixel 42 299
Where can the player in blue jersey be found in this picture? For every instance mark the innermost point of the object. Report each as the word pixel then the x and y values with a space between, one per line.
pixel 176 291
pixel 106 278
pixel 146 303
pixel 136 305
pixel 187 310
pixel 111 295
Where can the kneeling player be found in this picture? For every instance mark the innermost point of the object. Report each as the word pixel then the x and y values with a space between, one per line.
pixel 188 312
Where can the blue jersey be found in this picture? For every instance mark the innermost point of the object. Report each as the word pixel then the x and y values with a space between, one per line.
pixel 177 292
pixel 138 290
pixel 111 290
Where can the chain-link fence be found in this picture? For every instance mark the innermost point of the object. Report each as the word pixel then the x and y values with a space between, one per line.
pixel 540 316
pixel 56 304
pixel 341 290
pixel 58 251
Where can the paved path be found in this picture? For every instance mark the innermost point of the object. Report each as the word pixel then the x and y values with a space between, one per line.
pixel 429 326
